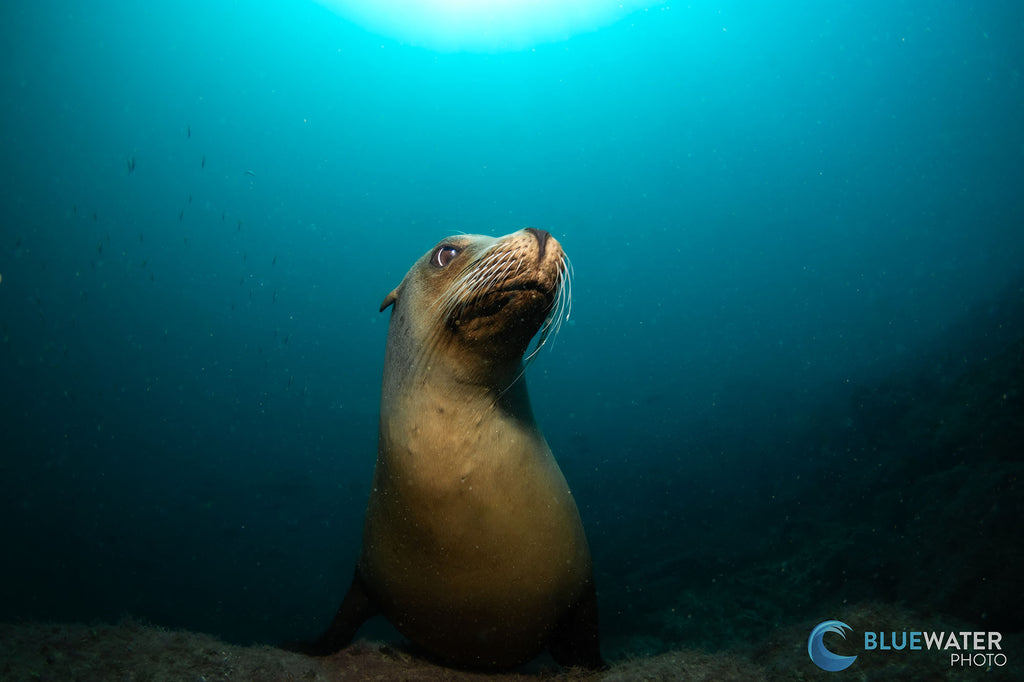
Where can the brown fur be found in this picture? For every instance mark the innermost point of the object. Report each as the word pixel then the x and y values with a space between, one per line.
pixel 473 547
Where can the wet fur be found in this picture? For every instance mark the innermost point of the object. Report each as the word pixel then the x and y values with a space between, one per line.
pixel 472 545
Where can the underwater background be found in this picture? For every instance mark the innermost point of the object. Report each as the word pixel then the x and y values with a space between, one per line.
pixel 791 379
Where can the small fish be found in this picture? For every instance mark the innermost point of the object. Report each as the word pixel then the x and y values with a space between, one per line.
pixel 140 237
pixel 188 131
pixel 131 164
pixel 273 262
pixel 274 300
pixel 202 164
pixel 181 214
pixel 250 173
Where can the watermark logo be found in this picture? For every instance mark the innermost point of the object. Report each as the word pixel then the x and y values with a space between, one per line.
pixel 966 649
pixel 822 657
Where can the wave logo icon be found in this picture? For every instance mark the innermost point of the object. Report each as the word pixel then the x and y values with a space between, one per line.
pixel 822 657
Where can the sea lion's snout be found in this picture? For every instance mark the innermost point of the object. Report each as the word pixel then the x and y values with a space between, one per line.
pixel 497 292
pixel 524 269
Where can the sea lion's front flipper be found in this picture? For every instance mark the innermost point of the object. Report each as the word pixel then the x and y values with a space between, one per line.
pixel 356 608
pixel 576 641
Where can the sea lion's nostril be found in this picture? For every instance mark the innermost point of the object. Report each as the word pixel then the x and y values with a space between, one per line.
pixel 542 240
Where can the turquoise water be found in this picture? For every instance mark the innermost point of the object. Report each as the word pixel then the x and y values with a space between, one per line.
pixel 770 211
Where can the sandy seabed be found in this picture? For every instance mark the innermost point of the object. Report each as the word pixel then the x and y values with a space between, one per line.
pixel 134 651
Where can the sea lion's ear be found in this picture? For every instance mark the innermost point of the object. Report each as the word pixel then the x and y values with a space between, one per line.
pixel 389 299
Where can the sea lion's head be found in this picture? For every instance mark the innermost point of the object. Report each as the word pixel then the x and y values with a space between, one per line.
pixel 483 298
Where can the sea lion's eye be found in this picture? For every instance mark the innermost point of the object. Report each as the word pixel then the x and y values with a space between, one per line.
pixel 444 255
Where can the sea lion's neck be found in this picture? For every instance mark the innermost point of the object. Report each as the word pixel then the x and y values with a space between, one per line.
pixel 432 382
pixel 424 362
pixel 441 410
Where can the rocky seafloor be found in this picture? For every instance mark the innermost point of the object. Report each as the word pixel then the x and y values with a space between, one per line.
pixel 138 652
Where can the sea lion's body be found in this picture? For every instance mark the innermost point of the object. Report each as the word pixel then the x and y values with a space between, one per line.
pixel 472 545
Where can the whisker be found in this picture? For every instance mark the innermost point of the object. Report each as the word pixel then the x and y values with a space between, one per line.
pixel 559 313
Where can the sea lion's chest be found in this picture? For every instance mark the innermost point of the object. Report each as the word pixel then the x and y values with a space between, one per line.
pixel 464 499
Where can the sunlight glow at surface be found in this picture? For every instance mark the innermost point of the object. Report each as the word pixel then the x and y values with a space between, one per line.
pixel 483 25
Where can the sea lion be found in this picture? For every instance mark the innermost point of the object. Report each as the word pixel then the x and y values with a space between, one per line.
pixel 473 546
